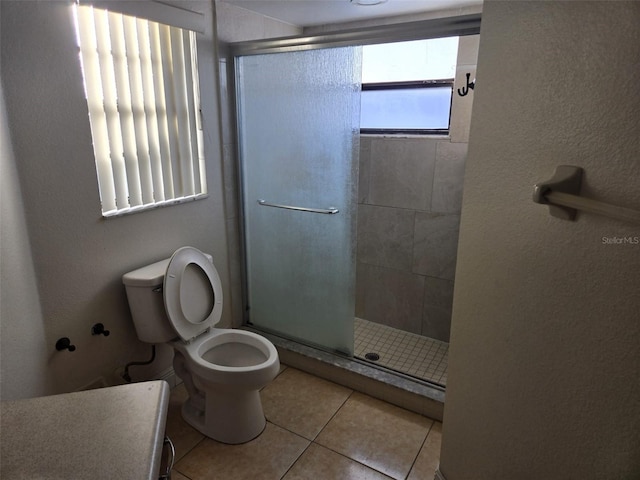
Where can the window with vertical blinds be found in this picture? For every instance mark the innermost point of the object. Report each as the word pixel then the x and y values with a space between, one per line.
pixel 141 84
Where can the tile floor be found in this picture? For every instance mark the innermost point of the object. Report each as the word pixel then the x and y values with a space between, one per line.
pixel 406 352
pixel 316 430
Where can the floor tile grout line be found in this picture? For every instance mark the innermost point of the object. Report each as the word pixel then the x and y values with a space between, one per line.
pixel 351 392
pixel 191 449
pixel 313 441
pixel 352 459
pixel 334 414
pixel 424 441
pixel 297 458
pixel 174 469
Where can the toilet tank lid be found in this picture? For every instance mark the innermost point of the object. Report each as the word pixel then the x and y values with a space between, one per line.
pixel 149 276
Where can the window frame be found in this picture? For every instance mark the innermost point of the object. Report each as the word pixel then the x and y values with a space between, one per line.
pixel 413 85
pixel 190 25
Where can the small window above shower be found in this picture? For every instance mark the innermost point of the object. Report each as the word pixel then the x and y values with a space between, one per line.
pixel 407 87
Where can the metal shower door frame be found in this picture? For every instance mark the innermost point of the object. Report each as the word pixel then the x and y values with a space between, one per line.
pixel 462 25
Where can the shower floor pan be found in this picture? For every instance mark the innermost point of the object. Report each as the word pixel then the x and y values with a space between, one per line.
pixel 421 357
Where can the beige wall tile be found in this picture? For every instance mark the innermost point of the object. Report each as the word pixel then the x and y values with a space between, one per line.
pixel 438 304
pixel 390 297
pixel 448 177
pixel 364 162
pixel 436 245
pixel 385 236
pixel 401 172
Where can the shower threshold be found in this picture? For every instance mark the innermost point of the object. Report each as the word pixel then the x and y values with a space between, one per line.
pixel 371 378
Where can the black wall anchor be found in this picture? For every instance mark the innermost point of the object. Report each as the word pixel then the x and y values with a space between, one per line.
pixel 98 329
pixel 65 344
pixel 470 85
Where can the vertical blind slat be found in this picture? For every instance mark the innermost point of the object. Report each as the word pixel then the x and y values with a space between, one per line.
pixel 165 108
pixel 125 109
pixel 197 103
pixel 137 109
pixel 169 103
pixel 151 114
pixel 97 117
pixel 191 112
pixel 114 132
pixel 182 114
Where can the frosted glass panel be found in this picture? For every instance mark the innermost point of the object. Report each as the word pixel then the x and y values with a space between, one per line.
pixel 298 116
pixel 432 59
pixel 410 108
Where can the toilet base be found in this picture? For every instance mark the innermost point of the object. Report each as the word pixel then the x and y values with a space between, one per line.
pixel 229 417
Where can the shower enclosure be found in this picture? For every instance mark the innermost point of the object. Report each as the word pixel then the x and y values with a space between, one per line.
pixel 297 103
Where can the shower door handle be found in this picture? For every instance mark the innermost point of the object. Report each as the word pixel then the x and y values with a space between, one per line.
pixel 327 211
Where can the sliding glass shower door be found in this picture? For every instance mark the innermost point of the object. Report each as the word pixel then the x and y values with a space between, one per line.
pixel 298 122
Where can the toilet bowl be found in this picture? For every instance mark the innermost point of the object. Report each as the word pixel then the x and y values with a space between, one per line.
pixel 179 301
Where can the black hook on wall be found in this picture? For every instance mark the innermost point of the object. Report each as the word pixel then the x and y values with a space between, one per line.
pixel 64 344
pixel 470 85
pixel 98 329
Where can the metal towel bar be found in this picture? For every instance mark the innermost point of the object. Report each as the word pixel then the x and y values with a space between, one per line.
pixel 328 211
pixel 561 193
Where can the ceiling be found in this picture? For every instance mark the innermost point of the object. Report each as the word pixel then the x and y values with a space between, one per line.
pixel 306 13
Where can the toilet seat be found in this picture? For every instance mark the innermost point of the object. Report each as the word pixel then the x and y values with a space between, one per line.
pixel 219 371
pixel 192 293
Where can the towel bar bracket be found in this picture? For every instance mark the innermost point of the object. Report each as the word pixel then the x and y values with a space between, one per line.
pixel 566 179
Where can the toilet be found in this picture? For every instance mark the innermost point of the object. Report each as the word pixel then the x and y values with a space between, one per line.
pixel 179 301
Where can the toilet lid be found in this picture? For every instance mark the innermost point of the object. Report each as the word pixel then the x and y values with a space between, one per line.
pixel 192 293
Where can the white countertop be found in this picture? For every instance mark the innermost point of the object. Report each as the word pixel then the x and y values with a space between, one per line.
pixel 110 433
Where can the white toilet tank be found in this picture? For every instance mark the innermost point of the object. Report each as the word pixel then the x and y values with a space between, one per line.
pixel 146 302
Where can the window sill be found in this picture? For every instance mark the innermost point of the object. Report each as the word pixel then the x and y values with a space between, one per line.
pixel 439 136
pixel 144 208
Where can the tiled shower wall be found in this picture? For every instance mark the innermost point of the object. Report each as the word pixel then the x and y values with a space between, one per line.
pixel 408 215
pixel 409 200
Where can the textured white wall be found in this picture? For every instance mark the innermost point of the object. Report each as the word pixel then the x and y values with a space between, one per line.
pixel 78 256
pixel 544 362
pixel 22 362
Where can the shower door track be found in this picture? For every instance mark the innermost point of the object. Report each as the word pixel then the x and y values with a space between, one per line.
pixel 335 357
pixel 400 32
